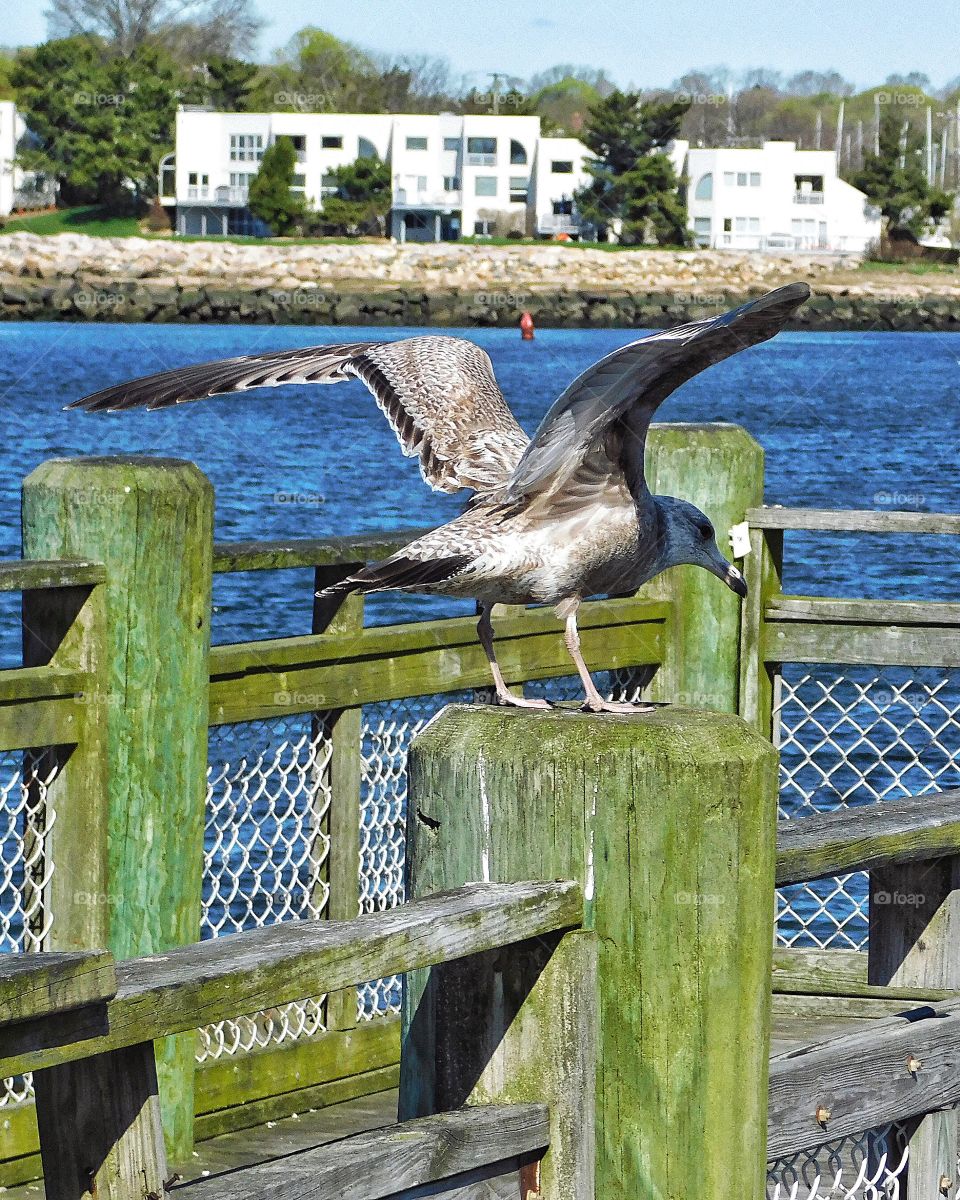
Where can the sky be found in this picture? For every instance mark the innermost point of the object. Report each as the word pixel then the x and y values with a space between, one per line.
pixel 645 42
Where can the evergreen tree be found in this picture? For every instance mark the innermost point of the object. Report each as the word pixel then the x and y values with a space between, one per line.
pixel 634 182
pixel 362 199
pixel 896 182
pixel 270 197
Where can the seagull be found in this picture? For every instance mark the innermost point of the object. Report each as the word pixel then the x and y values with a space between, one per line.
pixel 554 518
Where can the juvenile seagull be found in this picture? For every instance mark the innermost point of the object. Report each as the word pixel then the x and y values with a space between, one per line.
pixel 553 519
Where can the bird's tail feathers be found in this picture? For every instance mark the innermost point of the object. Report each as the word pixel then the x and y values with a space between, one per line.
pixel 398 572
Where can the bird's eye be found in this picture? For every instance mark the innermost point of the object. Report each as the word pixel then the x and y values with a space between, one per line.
pixel 706 531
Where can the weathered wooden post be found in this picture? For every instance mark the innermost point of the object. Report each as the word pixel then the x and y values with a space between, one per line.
pixel 914 926
pixel 719 468
pixel 668 820
pixel 150 520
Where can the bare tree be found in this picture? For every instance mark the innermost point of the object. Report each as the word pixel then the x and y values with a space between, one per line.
pixel 203 26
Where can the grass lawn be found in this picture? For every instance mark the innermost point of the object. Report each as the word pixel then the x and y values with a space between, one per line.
pixel 875 266
pixel 90 220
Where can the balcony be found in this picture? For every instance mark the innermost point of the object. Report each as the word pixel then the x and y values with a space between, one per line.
pixel 808 197
pixel 410 198
pixel 228 197
pixel 554 223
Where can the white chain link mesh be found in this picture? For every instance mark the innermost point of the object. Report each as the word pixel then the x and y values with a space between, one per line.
pixel 26 817
pixel 266 847
pixel 850 736
pixel 867 1166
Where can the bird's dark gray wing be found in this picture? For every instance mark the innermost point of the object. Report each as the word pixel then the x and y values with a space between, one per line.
pixel 593 436
pixel 438 393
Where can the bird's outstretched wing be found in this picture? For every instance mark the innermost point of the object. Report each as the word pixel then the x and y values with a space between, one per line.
pixel 593 436
pixel 438 393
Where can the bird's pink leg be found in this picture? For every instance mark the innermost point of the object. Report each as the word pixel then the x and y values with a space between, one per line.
pixel 504 695
pixel 594 701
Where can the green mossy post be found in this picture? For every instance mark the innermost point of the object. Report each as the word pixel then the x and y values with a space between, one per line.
pixel 719 468
pixel 150 521
pixel 667 820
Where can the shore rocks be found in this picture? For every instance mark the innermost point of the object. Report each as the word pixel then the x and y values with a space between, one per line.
pixel 73 277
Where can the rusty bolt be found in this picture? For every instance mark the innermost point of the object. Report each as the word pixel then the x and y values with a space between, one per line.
pixel 913 1064
pixel 822 1114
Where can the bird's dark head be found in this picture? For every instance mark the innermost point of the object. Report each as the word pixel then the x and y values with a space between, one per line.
pixel 688 536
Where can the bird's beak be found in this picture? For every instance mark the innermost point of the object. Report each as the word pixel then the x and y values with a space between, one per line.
pixel 735 581
pixel 728 573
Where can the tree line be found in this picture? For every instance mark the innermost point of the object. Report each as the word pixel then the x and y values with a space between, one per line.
pixel 100 98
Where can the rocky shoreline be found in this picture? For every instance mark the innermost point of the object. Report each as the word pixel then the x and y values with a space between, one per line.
pixel 75 278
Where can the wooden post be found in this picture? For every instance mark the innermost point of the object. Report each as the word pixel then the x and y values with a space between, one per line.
pixel 720 469
pixel 915 942
pixel 344 727
pixel 763 571
pixel 150 520
pixel 668 821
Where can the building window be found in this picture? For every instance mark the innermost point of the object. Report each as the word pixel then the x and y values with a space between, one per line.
pixel 298 183
pixel 482 228
pixel 728 224
pixel 754 178
pixel 741 179
pixel 299 141
pixel 747 224
pixel 518 189
pixel 246 147
pixel 416 143
pixel 729 178
pixel 482 151
pixel 518 155
pixel 366 148
pixel 421 183
pixel 241 178
pixel 704 188
pixel 452 144
pixel 561 166
pixel 329 184
pixel 485 185
pixel 330 142
pixel 701 225
pixel 451 183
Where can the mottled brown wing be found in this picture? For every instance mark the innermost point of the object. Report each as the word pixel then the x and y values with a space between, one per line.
pixel 438 393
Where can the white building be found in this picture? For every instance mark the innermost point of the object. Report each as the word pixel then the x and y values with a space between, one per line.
pixel 452 175
pixel 774 197
pixel 18 189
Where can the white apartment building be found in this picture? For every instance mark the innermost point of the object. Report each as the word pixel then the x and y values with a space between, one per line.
pixel 453 176
pixel 18 189
pixel 773 197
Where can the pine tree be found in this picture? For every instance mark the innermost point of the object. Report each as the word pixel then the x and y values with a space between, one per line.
pixel 270 197
pixel 895 181
pixel 634 182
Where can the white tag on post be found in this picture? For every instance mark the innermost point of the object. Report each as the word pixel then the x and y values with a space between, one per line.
pixel 740 539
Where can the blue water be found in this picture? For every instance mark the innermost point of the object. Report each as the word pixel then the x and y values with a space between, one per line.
pixel 849 420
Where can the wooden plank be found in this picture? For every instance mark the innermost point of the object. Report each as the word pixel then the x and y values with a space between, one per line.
pixel 37 985
pixel 259 679
pixel 830 611
pixel 44 683
pixel 834 974
pixel 668 819
pixel 309 552
pixel 853 520
pixel 59 721
pixel 336 791
pixel 57 573
pixel 719 468
pixel 393 1161
pixel 861 1078
pixel 151 521
pixel 872 645
pixel 862 838
pixel 100 1129
pixel 914 927
pixel 189 986
pixel 762 569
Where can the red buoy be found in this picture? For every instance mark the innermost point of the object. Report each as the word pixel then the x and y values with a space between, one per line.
pixel 526 327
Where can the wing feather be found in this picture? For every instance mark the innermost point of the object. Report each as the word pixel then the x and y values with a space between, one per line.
pixel 595 432
pixel 439 395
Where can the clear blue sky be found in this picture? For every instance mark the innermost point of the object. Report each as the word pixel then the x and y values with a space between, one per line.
pixel 647 42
